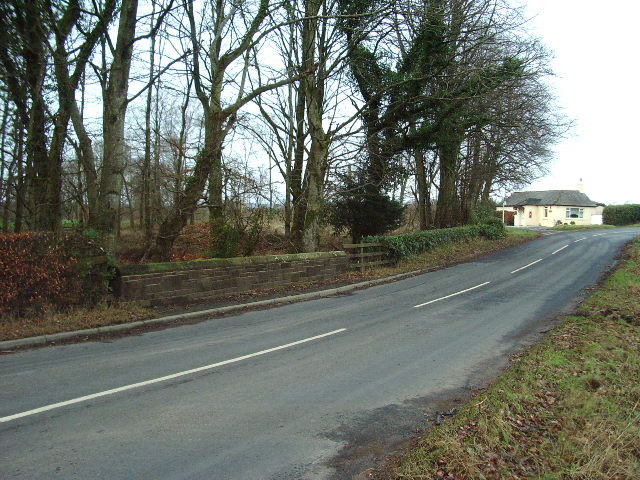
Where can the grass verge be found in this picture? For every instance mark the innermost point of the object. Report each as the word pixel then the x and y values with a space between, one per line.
pixel 78 319
pixel 581 227
pixel 568 409
pixel 103 315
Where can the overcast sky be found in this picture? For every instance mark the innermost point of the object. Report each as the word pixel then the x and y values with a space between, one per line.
pixel 596 62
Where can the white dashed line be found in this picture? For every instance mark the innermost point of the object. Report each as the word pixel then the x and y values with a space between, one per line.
pixel 162 379
pixel 526 266
pixel 560 249
pixel 452 295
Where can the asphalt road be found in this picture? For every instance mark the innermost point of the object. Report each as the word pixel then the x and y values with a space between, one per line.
pixel 311 390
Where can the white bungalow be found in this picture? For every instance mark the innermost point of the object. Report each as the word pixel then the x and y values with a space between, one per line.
pixel 552 207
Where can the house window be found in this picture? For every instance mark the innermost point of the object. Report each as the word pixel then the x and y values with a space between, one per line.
pixel 546 212
pixel 575 212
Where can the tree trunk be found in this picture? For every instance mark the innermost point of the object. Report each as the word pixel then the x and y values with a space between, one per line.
pixel 307 217
pixel 114 110
pixel 21 185
pixel 314 189
pixel 6 197
pixel 34 53
pixel 37 162
pixel 182 146
pixel 216 189
pixel 87 161
pixel 146 219
pixel 187 200
pixel 4 186
pixel 288 208
pixel 448 208
pixel 317 162
pixel 295 178
pixel 421 177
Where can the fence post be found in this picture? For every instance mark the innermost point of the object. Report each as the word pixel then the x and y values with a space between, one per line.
pixel 364 255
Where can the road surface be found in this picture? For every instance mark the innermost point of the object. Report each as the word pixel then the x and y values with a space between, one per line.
pixel 310 390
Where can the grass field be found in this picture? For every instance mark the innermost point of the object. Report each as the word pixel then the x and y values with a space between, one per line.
pixel 568 409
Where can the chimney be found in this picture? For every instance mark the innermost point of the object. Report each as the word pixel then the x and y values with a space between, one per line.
pixel 581 186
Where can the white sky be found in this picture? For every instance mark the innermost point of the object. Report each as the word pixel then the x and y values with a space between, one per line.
pixel 597 63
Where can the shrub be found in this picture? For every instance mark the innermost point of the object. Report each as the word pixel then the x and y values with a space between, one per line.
pixel 69 223
pixel 484 214
pixel 94 270
pixel 33 272
pixel 621 214
pixel 363 209
pixel 226 241
pixel 492 228
pixel 193 242
pixel 37 271
pixel 240 234
pixel 408 244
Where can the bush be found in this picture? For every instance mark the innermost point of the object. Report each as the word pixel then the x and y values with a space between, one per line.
pixel 238 235
pixel 408 244
pixel 94 270
pixel 37 271
pixel 34 272
pixel 621 214
pixel 492 228
pixel 226 241
pixel 69 223
pixel 363 209
pixel 481 214
pixel 193 242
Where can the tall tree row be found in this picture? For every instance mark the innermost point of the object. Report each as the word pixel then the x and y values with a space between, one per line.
pixel 137 110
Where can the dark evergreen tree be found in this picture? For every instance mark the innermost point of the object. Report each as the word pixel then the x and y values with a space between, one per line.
pixel 363 208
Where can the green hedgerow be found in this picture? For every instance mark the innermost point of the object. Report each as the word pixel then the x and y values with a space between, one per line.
pixel 409 244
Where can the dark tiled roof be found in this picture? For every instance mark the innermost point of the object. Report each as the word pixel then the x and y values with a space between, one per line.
pixel 571 198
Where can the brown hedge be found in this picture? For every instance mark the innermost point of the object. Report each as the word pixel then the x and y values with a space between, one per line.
pixel 34 272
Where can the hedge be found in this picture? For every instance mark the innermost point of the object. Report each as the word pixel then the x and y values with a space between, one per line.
pixel 408 244
pixel 621 214
pixel 37 271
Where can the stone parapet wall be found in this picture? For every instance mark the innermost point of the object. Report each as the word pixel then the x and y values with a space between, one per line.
pixel 184 282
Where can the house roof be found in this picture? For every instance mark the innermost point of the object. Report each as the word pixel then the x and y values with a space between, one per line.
pixel 571 198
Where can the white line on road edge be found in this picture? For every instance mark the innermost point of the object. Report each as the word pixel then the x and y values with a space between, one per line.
pixel 580 239
pixel 452 295
pixel 162 379
pixel 528 265
pixel 558 250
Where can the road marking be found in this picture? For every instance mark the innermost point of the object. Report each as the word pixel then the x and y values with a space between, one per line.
pixel 558 250
pixel 580 239
pixel 528 265
pixel 598 234
pixel 163 379
pixel 452 295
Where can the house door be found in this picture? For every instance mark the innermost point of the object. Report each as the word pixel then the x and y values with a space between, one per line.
pixel 509 218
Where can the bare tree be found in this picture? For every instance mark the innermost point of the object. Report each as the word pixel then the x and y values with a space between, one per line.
pixel 63 34
pixel 309 119
pixel 221 46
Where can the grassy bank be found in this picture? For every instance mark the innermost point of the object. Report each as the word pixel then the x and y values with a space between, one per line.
pixel 568 409
pixel 50 322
